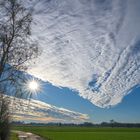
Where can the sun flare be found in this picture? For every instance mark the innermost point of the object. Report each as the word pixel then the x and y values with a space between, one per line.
pixel 33 85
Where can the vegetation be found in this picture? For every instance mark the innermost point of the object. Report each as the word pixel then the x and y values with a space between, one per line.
pixel 14 136
pixel 82 133
pixel 112 123
pixel 16 50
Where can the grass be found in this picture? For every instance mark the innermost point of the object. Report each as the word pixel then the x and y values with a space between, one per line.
pixel 83 133
pixel 14 136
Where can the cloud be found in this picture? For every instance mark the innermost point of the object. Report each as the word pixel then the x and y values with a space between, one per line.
pixel 37 111
pixel 89 46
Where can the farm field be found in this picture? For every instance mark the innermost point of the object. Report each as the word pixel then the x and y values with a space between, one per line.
pixel 82 133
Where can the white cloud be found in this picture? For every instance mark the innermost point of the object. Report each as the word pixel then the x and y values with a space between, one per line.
pixel 38 111
pixel 88 46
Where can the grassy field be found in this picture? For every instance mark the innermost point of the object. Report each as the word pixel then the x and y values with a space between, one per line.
pixel 83 133
pixel 13 136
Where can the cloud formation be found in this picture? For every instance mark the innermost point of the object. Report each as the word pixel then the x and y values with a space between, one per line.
pixel 89 46
pixel 37 111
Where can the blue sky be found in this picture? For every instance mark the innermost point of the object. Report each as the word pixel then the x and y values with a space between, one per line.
pixel 126 111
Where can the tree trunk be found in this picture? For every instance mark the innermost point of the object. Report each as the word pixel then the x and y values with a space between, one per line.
pixel 4 119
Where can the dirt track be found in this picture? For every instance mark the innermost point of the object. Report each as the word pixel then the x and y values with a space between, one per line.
pixel 27 136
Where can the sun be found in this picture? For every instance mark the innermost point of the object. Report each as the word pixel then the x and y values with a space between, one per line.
pixel 33 85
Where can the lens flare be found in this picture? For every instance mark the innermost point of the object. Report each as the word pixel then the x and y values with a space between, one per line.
pixel 33 85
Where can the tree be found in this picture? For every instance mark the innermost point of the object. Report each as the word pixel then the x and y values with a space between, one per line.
pixel 4 118
pixel 17 48
pixel 112 122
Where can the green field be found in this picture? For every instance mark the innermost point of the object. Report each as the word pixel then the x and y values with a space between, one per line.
pixel 83 133
pixel 14 136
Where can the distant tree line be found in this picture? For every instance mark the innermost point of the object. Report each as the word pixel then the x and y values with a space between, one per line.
pixel 85 124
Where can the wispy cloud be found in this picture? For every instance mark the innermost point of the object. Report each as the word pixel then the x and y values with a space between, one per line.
pixel 88 46
pixel 38 111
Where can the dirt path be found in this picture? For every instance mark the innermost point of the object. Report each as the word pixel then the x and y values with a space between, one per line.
pixel 27 136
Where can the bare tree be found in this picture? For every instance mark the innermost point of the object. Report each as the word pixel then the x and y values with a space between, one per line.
pixel 16 49
pixel 4 118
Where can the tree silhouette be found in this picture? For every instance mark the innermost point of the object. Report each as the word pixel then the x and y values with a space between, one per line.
pixel 112 122
pixel 4 118
pixel 17 48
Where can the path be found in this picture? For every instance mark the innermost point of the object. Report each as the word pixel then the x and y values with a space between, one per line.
pixel 27 136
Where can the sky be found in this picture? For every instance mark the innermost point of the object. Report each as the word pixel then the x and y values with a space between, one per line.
pixel 91 50
pixel 126 111
pixel 55 104
pixel 91 47
pixel 90 59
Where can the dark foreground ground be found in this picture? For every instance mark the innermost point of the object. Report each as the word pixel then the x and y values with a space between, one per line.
pixel 82 133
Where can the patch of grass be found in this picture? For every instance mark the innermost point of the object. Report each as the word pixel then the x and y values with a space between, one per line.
pixel 83 133
pixel 14 136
